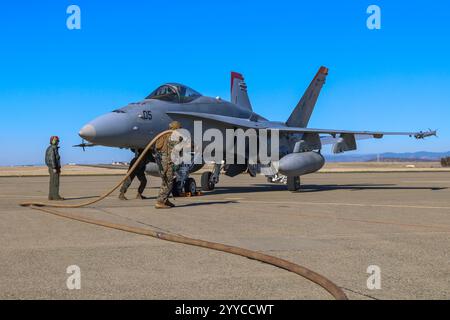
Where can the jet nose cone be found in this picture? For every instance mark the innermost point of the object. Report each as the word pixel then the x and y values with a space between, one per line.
pixel 88 132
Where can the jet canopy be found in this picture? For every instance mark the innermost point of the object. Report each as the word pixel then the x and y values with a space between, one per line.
pixel 174 92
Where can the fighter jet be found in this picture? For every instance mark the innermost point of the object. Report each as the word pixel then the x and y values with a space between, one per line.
pixel 136 124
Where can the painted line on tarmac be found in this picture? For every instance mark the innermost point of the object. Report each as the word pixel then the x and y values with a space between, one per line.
pixel 426 181
pixel 3 196
pixel 347 204
pixel 439 227
pixel 393 223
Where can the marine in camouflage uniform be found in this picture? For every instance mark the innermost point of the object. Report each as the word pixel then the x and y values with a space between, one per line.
pixel 53 162
pixel 164 146
pixel 139 172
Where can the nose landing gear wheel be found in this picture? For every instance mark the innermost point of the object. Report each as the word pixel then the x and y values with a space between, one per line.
pixel 190 186
pixel 293 183
pixel 177 188
pixel 207 185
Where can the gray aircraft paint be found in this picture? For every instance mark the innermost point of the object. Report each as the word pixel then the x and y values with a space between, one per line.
pixel 136 124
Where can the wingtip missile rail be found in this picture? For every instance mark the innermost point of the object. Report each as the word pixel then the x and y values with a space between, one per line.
pixel 426 134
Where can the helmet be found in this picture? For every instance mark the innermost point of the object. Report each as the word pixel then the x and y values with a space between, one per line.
pixel 52 138
pixel 174 125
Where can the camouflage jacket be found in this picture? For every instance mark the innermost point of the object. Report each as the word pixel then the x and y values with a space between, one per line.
pixel 164 145
pixel 52 158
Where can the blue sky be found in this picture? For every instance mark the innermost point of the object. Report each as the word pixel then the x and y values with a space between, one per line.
pixel 54 80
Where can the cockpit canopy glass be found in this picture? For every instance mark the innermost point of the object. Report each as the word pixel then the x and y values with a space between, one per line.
pixel 174 92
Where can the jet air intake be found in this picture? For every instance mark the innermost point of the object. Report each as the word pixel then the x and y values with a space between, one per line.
pixel 298 164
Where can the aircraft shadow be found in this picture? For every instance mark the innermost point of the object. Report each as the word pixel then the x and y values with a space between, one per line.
pixel 316 188
pixel 80 198
pixel 358 187
pixel 195 204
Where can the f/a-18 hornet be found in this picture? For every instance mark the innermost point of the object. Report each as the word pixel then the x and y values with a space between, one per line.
pixel 136 124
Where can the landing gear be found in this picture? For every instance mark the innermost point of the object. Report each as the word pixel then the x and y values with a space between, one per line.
pixel 207 184
pixel 190 186
pixel 183 185
pixel 293 183
pixel 177 188
pixel 210 179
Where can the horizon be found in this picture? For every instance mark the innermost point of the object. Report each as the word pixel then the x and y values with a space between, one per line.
pixel 56 80
pixel 328 157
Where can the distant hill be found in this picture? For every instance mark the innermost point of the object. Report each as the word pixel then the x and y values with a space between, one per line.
pixel 388 157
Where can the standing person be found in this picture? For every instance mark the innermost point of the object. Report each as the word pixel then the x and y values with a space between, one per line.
pixel 164 146
pixel 139 172
pixel 53 162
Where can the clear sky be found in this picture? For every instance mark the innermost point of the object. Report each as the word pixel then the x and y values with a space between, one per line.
pixel 54 80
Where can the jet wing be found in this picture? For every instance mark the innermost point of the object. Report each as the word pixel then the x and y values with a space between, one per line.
pixel 246 123
pixel 233 121
pixel 333 140
pixel 360 134
pixel 342 140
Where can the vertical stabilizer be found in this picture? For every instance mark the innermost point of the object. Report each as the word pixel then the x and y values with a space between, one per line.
pixel 303 111
pixel 239 95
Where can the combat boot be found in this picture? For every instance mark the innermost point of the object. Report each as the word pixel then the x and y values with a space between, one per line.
pixel 140 196
pixel 122 196
pixel 170 204
pixel 57 198
pixel 161 205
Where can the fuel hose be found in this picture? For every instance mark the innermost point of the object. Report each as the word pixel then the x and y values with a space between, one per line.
pixel 316 278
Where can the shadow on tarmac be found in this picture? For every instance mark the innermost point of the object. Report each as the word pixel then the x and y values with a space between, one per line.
pixel 316 188
pixel 195 204
pixel 80 198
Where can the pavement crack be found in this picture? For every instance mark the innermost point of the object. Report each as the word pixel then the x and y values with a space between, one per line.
pixel 360 293
pixel 137 221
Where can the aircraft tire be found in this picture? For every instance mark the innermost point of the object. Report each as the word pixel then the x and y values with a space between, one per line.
pixel 190 186
pixel 207 185
pixel 176 188
pixel 293 183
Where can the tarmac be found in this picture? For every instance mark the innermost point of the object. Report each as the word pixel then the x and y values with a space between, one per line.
pixel 338 225
pixel 330 167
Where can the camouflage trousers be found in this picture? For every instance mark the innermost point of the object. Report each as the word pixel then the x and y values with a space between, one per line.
pixel 127 183
pixel 166 172
pixel 53 192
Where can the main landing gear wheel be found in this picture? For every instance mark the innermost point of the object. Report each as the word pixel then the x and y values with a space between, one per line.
pixel 207 184
pixel 293 183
